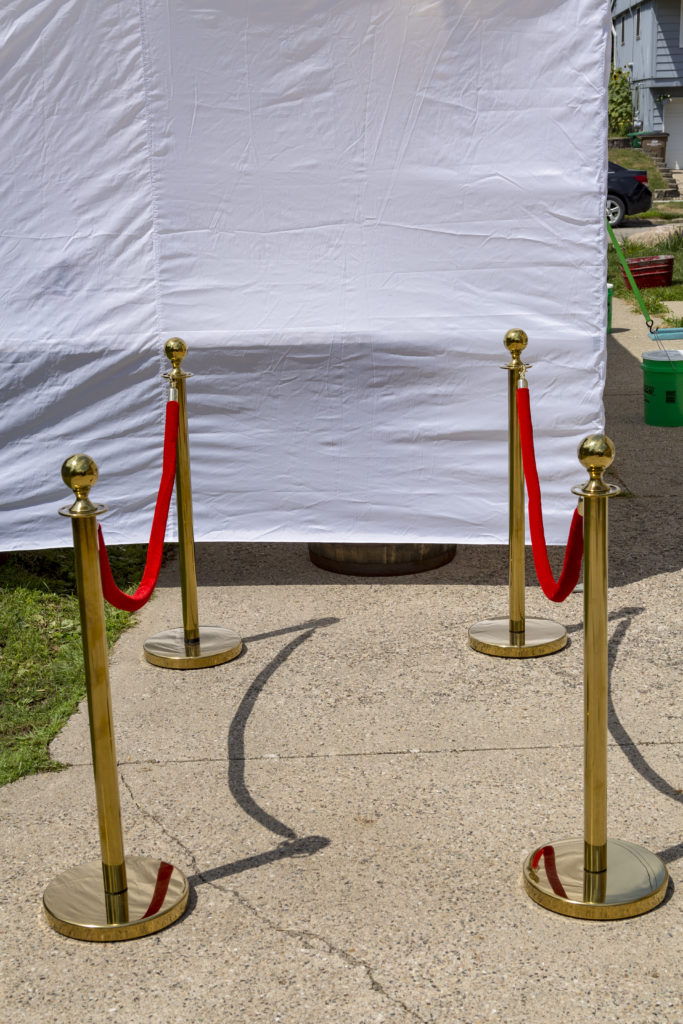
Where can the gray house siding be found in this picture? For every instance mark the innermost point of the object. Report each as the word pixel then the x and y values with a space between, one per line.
pixel 639 53
pixel 654 55
pixel 669 55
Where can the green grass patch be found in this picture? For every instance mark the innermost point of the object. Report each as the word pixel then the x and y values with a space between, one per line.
pixel 655 299
pixel 660 212
pixel 42 678
pixel 638 160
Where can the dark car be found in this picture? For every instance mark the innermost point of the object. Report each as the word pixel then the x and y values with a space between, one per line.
pixel 627 192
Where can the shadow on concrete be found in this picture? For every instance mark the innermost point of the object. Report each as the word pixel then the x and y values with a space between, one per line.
pixel 236 747
pixel 293 845
pixel 311 625
pixel 671 853
pixel 251 565
pixel 618 732
pixel 306 846
pixel 282 564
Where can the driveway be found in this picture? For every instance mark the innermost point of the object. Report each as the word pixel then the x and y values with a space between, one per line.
pixel 647 231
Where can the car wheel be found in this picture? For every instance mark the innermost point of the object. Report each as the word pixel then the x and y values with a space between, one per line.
pixel 616 211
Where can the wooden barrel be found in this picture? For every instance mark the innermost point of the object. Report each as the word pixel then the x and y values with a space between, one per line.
pixel 380 559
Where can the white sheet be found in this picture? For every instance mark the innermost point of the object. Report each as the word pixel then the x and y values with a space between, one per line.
pixel 341 205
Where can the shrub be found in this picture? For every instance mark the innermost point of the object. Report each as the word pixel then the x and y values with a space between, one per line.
pixel 620 102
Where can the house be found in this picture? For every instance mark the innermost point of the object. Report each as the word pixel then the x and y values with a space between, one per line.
pixel 648 40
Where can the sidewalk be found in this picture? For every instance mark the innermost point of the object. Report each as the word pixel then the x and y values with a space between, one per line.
pixel 647 232
pixel 353 797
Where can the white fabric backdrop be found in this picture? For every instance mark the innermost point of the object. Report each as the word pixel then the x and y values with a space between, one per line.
pixel 341 205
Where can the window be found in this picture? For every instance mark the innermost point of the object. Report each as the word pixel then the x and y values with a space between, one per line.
pixel 638 23
pixel 623 24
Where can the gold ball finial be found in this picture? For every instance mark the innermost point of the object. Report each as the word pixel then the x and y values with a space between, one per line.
pixel 175 350
pixel 515 342
pixel 79 472
pixel 596 454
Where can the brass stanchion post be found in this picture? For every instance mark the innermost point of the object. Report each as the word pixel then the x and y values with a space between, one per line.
pixel 595 877
pixel 193 646
pixel 516 636
pixel 119 897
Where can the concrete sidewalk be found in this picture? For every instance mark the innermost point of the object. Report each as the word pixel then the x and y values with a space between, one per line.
pixel 352 799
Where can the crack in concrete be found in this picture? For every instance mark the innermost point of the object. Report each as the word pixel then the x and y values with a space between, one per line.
pixel 409 752
pixel 153 817
pixel 308 938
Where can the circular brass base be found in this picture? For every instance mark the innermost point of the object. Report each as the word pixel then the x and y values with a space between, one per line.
pixel 635 881
pixel 215 647
pixel 540 636
pixel 76 905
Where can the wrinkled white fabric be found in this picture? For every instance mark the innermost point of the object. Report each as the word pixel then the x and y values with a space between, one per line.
pixel 342 206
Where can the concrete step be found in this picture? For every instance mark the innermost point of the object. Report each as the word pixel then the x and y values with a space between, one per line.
pixel 673 189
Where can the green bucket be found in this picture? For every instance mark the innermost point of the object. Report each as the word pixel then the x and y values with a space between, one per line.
pixel 663 388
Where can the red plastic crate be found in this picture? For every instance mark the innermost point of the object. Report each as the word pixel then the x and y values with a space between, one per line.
pixel 650 271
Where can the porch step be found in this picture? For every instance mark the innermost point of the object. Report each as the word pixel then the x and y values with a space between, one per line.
pixel 672 190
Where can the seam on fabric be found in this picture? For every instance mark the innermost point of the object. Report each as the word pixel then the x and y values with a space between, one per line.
pixel 153 189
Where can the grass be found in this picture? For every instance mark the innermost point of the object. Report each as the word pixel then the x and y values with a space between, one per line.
pixel 666 210
pixel 638 160
pixel 655 299
pixel 41 661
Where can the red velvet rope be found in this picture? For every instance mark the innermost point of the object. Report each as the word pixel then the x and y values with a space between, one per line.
pixel 554 590
pixel 160 889
pixel 547 853
pixel 112 594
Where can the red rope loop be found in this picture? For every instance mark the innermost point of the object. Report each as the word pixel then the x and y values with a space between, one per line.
pixel 554 590
pixel 547 855
pixel 112 594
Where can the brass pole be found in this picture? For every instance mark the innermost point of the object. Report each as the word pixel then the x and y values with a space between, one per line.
pixel 595 495
pixel 176 350
pixel 80 473
pixel 595 878
pixel 193 646
pixel 516 636
pixel 515 342
pixel 114 899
